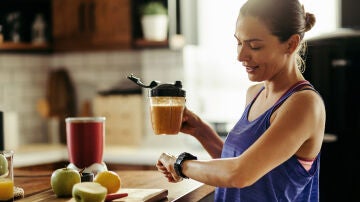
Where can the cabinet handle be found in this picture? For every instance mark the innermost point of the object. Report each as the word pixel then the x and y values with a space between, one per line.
pixel 330 137
pixel 92 7
pixel 340 63
pixel 81 17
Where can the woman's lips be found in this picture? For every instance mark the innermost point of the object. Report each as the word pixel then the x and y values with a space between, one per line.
pixel 251 69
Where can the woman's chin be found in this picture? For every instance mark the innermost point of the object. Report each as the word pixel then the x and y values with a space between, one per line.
pixel 253 78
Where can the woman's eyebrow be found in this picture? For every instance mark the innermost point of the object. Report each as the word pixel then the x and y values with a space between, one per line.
pixel 248 40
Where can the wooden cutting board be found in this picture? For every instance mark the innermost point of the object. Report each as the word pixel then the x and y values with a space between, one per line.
pixel 135 195
pixel 143 195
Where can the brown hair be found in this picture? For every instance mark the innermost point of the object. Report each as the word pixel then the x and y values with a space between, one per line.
pixel 283 18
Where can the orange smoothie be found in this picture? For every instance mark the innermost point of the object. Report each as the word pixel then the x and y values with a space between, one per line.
pixel 166 119
pixel 6 189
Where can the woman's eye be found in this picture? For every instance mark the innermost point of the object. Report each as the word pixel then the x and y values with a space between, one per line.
pixel 255 47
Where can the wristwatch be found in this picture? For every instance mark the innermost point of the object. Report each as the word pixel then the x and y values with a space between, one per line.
pixel 180 159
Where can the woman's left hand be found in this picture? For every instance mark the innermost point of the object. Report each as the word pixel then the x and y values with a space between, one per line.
pixel 165 165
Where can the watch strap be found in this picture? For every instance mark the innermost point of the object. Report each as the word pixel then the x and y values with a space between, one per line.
pixel 179 161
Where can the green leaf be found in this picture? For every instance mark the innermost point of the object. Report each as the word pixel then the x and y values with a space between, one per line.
pixel 153 8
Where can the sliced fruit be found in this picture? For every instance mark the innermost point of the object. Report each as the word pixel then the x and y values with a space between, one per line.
pixel 89 192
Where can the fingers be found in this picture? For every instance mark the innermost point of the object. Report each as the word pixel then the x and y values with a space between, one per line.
pixel 176 178
pixel 161 167
pixel 169 175
pixel 165 165
pixel 167 160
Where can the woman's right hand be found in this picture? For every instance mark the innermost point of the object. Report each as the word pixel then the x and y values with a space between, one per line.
pixel 190 122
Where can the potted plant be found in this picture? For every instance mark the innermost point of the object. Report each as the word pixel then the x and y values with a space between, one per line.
pixel 154 21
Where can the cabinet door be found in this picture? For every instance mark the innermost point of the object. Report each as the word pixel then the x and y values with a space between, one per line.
pixel 65 23
pixel 91 24
pixel 70 30
pixel 112 23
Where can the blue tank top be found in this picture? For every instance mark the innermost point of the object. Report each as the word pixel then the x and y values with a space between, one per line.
pixel 287 182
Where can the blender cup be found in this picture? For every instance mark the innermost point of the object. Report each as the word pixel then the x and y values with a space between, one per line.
pixel 85 138
pixel 167 103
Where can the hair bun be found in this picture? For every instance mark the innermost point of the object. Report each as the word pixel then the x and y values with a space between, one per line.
pixel 309 21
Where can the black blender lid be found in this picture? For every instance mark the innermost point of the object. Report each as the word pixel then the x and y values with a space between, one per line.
pixel 158 89
pixel 172 90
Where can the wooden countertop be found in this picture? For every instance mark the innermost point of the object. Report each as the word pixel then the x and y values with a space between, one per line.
pixel 36 183
pixel 145 154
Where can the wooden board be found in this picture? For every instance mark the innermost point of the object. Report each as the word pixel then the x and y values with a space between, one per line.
pixel 143 195
pixel 135 195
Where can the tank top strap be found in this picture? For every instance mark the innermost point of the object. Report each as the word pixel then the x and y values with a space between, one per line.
pixel 297 86
pixel 255 97
pixel 257 94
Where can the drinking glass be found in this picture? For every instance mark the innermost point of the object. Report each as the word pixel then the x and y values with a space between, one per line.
pixel 6 175
pixel 85 140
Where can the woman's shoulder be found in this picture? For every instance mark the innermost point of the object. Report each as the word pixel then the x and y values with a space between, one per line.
pixel 252 91
pixel 308 95
pixel 308 101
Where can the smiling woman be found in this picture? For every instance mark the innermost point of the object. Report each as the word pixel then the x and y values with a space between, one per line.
pixel 262 157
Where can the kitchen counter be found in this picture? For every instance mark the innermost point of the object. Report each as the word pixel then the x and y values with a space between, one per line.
pixel 144 154
pixel 36 185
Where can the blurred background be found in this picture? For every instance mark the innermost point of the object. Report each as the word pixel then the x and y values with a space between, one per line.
pixel 62 58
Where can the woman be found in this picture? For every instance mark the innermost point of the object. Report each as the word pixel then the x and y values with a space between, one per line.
pixel 273 152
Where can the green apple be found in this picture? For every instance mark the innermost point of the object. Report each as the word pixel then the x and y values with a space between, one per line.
pixel 89 191
pixel 3 165
pixel 62 181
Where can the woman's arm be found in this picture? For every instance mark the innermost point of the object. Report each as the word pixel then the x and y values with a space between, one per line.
pixel 299 120
pixel 203 132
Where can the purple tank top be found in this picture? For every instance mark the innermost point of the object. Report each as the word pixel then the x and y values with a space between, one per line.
pixel 287 182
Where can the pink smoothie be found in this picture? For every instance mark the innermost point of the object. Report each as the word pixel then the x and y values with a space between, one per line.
pixel 85 140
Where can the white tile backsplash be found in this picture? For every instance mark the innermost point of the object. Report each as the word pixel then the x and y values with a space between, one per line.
pixel 23 79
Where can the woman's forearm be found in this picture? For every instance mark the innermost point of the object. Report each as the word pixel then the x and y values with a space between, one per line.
pixel 219 172
pixel 210 140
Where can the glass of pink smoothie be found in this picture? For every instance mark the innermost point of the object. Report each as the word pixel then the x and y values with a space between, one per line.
pixel 85 138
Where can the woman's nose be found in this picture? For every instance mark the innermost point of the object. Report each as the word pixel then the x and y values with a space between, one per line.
pixel 242 54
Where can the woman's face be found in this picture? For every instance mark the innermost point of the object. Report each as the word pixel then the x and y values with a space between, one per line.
pixel 260 52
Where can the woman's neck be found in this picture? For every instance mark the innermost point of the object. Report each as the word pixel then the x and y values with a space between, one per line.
pixel 282 82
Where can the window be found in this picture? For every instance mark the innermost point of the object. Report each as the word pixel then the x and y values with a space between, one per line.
pixel 216 82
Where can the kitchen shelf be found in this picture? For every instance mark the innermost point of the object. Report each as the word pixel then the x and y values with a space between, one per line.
pixel 12 46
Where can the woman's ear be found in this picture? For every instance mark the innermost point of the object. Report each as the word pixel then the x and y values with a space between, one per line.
pixel 293 43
